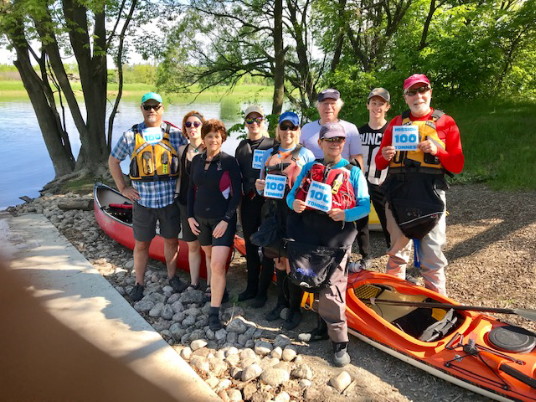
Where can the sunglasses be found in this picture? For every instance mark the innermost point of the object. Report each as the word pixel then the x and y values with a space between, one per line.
pixel 421 90
pixel 334 139
pixel 149 107
pixel 286 127
pixel 189 124
pixel 257 120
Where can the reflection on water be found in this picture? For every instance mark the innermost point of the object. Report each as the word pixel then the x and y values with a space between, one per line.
pixel 27 166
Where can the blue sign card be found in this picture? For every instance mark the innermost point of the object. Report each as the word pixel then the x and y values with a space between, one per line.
pixel 258 157
pixel 152 134
pixel 275 186
pixel 319 196
pixel 406 138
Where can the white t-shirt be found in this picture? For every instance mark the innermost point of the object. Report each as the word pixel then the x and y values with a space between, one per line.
pixel 309 139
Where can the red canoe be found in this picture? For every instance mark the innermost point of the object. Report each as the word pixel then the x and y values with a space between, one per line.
pixel 113 213
pixel 472 350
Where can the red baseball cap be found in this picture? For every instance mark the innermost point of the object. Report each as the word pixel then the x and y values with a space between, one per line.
pixel 416 79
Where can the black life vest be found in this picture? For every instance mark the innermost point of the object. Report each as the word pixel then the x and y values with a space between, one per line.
pixel 244 156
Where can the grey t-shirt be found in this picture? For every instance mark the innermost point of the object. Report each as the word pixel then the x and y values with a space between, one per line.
pixel 309 139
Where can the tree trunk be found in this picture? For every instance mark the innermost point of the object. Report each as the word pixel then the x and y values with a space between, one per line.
pixel 279 64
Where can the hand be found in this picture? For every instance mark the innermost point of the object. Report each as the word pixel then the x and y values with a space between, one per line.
pixel 259 184
pixel 298 206
pixel 337 214
pixel 428 147
pixel 220 229
pixel 388 152
pixel 131 193
pixel 194 226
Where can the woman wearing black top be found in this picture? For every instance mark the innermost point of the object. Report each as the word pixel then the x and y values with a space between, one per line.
pixel 192 123
pixel 249 155
pixel 213 196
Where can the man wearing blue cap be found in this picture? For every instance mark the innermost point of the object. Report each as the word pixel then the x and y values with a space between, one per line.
pixel 152 147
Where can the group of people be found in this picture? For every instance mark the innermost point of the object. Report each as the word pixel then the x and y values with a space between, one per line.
pixel 311 183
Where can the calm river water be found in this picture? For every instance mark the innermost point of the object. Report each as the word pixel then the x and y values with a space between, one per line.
pixel 27 166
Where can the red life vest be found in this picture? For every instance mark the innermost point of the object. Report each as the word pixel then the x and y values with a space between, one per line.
pixel 284 164
pixel 342 194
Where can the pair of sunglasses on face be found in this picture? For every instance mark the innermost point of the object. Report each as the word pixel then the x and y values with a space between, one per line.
pixel 334 139
pixel 421 90
pixel 257 120
pixel 149 107
pixel 286 127
pixel 189 124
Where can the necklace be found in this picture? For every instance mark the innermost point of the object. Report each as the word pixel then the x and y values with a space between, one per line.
pixel 196 149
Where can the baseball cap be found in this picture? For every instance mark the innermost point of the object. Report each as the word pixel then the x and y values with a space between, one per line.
pixel 381 92
pixel 151 95
pixel 254 109
pixel 416 79
pixel 290 116
pixel 329 93
pixel 330 130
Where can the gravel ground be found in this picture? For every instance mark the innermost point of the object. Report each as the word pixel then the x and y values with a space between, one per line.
pixel 491 252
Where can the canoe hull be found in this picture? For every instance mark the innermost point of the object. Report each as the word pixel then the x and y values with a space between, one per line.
pixel 444 357
pixel 123 232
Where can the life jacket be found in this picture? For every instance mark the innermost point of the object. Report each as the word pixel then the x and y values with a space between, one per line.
pixel 342 194
pixel 284 164
pixel 153 162
pixel 244 156
pixel 419 160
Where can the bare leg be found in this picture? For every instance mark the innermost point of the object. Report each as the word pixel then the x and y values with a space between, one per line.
pixel 171 250
pixel 141 256
pixel 218 264
pixel 208 259
pixel 194 260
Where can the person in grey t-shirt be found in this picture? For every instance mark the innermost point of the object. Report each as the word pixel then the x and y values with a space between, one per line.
pixel 329 105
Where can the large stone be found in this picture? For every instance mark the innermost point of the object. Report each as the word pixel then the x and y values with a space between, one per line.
pixel 192 297
pixel 167 312
pixel 234 395
pixel 263 348
pixel 282 341
pixel 237 325
pixel 277 353
pixel 198 344
pixel 274 377
pixel 340 381
pixel 143 306
pixel 251 372
pixel 289 353
pixel 186 353
pixel 200 364
pixel 177 307
pixel 302 371
pixel 282 397
pixel 156 310
pixel 217 366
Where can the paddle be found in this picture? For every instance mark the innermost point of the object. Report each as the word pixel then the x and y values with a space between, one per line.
pixel 522 312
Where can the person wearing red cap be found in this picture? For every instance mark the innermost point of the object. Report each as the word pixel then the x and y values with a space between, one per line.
pixel 419 147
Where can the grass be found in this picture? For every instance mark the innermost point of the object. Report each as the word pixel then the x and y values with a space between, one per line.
pixel 498 140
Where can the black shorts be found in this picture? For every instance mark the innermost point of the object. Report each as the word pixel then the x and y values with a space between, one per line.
pixel 206 226
pixel 186 233
pixel 144 222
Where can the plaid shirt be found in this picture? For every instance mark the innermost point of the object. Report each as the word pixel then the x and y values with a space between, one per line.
pixel 153 194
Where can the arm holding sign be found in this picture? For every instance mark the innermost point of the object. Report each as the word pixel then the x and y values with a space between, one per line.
pixel 362 208
pixel 387 150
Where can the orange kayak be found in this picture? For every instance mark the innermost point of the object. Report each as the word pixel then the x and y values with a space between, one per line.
pixel 467 348
pixel 113 213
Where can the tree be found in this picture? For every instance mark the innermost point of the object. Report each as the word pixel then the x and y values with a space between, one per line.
pixel 77 28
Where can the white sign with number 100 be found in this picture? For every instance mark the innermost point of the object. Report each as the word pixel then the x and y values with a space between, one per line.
pixel 405 138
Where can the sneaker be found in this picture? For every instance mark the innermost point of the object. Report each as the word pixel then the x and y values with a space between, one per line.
pixel 293 320
pixel 353 267
pixel 214 322
pixel 177 285
pixel 258 302
pixel 246 295
pixel 275 314
pixel 365 263
pixel 340 354
pixel 136 294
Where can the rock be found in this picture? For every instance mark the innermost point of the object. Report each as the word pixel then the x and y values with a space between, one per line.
pixel 275 377
pixel 178 317
pixel 177 331
pixel 129 265
pixel 282 397
pixel 268 362
pixel 167 312
pixel 212 382
pixel 197 334
pixel 263 348
pixel 220 334
pixel 223 385
pixel 340 381
pixel 282 341
pixel 233 360
pixel 289 353
pixel 200 364
pixel 313 394
pixel 251 372
pixel 237 325
pixel 186 353
pixel 231 351
pixel 198 344
pixel 143 306
pixel 277 353
pixel 192 297
pixel 217 366
pixel 236 373
pixel 302 371
pixel 177 307
pixel 234 395
pixel 249 390
pixel 304 383
pixel 188 321
pixel 262 396
pixel 77 203
pixel 156 310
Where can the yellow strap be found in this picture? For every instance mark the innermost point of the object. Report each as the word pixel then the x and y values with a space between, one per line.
pixel 307 300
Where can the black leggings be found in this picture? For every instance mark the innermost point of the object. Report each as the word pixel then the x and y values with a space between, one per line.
pixel 250 217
